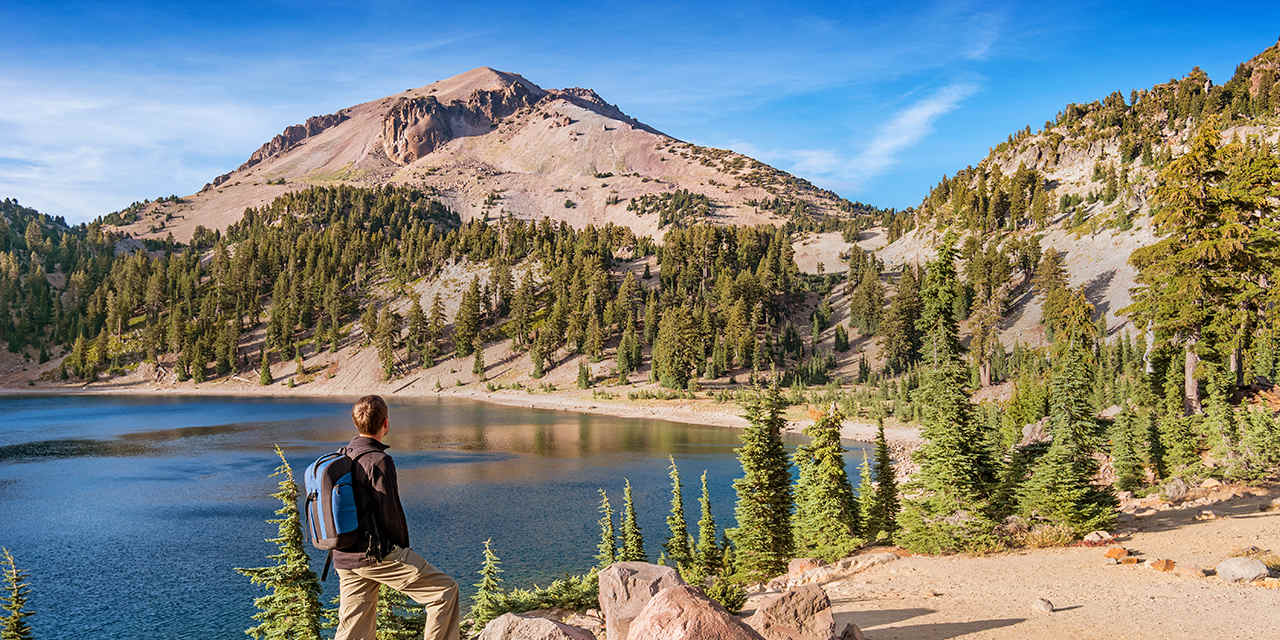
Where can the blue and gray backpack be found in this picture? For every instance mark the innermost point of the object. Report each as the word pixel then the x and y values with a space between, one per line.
pixel 332 515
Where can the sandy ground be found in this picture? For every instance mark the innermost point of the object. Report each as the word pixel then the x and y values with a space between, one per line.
pixel 936 598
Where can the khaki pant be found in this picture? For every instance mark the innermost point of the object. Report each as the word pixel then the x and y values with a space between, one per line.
pixel 406 572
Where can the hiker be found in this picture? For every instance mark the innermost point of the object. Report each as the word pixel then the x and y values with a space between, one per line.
pixel 388 559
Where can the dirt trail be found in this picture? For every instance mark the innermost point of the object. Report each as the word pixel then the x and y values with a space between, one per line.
pixel 936 598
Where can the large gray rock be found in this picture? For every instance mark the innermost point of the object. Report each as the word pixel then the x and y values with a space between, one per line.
pixel 804 613
pixel 1241 569
pixel 625 589
pixel 1175 490
pixel 683 613
pixel 510 626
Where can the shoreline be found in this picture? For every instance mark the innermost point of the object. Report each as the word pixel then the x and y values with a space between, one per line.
pixel 699 412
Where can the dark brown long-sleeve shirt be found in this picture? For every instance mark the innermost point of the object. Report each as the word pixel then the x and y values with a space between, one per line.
pixel 377 497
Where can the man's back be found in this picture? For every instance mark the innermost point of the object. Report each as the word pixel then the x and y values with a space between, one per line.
pixel 377 497
pixel 388 560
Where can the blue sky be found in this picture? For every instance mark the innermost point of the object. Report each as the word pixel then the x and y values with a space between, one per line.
pixel 102 104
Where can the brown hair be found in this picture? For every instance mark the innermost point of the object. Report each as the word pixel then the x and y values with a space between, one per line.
pixel 369 414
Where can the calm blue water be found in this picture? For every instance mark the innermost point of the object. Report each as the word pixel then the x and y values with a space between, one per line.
pixel 130 513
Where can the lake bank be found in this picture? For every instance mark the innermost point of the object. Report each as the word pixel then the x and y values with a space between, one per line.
pixel 703 411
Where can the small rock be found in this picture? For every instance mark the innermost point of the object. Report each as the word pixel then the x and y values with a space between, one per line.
pixel 1129 560
pixel 1269 583
pixel 1116 553
pixel 1274 505
pixel 1241 569
pixel 1098 537
pixel 1043 605
pixel 1174 490
pixel 1210 483
pixel 1124 495
pixel 1162 564
pixel 1206 514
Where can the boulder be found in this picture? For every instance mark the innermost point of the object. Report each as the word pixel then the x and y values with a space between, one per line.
pixel 1206 514
pixel 1034 433
pixel 625 589
pixel 510 626
pixel 1042 605
pixel 683 613
pixel 1241 569
pixel 804 613
pixel 590 620
pixel 1174 490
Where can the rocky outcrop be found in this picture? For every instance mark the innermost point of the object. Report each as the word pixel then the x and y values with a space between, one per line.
pixel 416 126
pixel 510 626
pixel 683 613
pixel 837 570
pixel 290 137
pixel 626 588
pixel 1241 569
pixel 803 613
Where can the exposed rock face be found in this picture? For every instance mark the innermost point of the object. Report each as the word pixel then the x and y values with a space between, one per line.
pixel 830 572
pixel 290 137
pixel 1175 490
pixel 414 127
pixel 803 613
pixel 1241 569
pixel 683 613
pixel 625 589
pixel 510 626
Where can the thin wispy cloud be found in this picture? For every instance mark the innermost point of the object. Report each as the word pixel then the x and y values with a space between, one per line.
pixel 851 168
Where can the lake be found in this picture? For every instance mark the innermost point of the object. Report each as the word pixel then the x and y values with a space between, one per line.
pixel 130 513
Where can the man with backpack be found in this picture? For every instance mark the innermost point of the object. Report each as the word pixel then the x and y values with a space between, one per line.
pixel 382 555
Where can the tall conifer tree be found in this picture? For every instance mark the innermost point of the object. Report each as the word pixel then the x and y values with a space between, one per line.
pixel 632 539
pixel 14 604
pixel 762 540
pixel 291 609
pixel 677 545
pixel 825 521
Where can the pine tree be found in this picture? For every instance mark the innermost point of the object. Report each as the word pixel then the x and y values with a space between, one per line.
pixel 435 330
pixel 477 364
pixel 867 499
pixel 14 604
pixel 264 370
pixel 842 339
pixel 291 609
pixel 708 554
pixel 466 324
pixel 1124 453
pixel 948 509
pixel 1061 491
pixel 487 600
pixel 632 539
pixel 677 545
pixel 762 540
pixel 899 328
pixel 825 522
pixel 883 516
pixel 607 550
pixel 417 330
pixel 1213 209
pixel 584 375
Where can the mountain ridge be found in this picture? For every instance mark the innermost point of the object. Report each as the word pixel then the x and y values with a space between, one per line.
pixel 491 143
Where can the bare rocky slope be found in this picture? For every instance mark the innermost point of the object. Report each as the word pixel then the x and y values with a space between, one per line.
pixel 489 144
pixel 1097 165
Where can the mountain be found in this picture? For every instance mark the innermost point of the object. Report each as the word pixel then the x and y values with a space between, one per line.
pixel 489 143
pixel 1083 184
